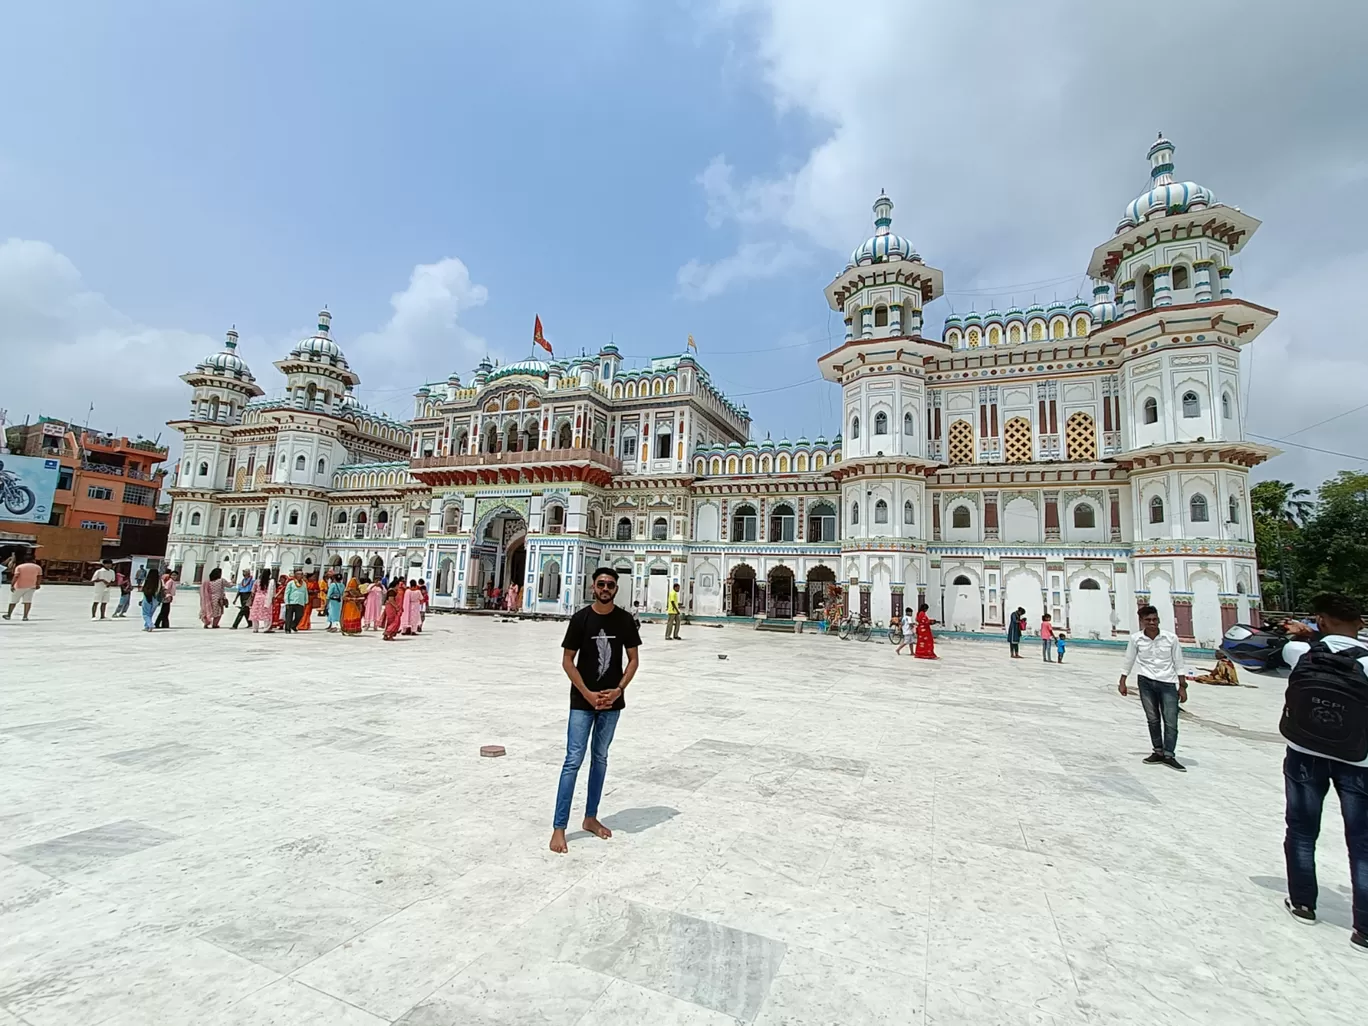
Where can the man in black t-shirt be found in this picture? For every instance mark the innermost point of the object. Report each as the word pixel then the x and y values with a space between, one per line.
pixel 592 657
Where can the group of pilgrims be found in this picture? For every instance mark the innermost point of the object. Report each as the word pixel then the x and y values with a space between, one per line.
pixel 273 601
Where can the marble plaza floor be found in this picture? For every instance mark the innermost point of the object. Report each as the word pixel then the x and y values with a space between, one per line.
pixel 218 828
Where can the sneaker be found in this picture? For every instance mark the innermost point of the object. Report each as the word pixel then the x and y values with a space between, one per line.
pixel 1173 763
pixel 1359 941
pixel 1154 757
pixel 1300 913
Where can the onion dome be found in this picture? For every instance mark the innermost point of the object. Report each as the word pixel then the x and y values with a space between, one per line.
pixel 226 363
pixel 953 321
pixel 348 403
pixel 993 316
pixel 734 445
pixel 1035 310
pixel 610 349
pixel 972 319
pixel 1056 308
pixel 802 440
pixel 319 346
pixel 533 368
pixel 883 246
pixel 1015 315
pixel 1103 308
pixel 1164 196
pixel 1079 305
pixel 768 443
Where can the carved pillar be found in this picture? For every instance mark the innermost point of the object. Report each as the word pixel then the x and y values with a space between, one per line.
pixel 896 605
pixel 1114 514
pixel 867 322
pixel 1163 291
pixel 1229 614
pixel 800 599
pixel 1051 516
pixel 935 517
pixel 990 516
pixel 1226 291
pixel 1201 271
pixel 864 601
pixel 760 591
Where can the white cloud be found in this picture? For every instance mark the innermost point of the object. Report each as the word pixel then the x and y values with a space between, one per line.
pixel 63 346
pixel 752 261
pixel 424 336
pixel 1011 136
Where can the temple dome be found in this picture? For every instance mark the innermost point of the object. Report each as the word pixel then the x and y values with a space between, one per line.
pixel 883 246
pixel 1164 196
pixel 319 345
pixel 226 362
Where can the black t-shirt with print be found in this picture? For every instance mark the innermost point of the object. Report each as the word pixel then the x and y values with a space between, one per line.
pixel 599 640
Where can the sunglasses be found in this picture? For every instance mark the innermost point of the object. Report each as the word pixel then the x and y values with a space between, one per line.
pixel 610 585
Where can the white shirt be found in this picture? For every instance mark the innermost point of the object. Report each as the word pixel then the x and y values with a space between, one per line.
pixel 1294 650
pixel 1156 658
pixel 909 624
pixel 103 576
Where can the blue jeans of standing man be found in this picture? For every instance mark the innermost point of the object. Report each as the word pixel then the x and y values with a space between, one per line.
pixel 602 723
pixel 149 610
pixel 122 607
pixel 1160 700
pixel 1307 778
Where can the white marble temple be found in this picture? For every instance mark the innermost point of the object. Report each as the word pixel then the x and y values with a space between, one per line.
pixel 238 830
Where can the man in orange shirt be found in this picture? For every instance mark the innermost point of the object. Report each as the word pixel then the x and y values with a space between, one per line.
pixel 24 581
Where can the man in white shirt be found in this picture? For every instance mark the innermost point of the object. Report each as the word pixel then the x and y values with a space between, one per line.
pixel 103 578
pixel 1162 684
pixel 1308 773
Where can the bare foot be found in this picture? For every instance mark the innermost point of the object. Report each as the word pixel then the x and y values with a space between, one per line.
pixel 596 828
pixel 558 844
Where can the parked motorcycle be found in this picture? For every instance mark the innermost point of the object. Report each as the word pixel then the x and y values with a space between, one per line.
pixel 1256 648
pixel 18 499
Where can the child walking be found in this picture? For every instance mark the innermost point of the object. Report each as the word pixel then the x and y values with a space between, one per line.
pixel 1059 645
pixel 1046 638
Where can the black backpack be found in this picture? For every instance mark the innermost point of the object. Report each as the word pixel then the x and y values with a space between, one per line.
pixel 1326 708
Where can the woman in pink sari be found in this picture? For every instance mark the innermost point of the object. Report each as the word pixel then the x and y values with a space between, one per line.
pixel 374 607
pixel 413 609
pixel 262 599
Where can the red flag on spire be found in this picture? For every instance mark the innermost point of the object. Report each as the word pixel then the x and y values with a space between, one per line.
pixel 538 338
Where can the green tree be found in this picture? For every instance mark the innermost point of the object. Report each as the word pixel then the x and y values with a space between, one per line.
pixel 1332 550
pixel 1279 509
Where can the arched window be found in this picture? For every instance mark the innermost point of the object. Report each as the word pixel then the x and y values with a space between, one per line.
pixel 881 512
pixel 854 427
pixel 1192 406
pixel 783 523
pixel 313 519
pixel 180 515
pixel 660 529
pixel 1088 584
pixel 204 470
pixel 194 519
pixel 1234 510
pixel 855 512
pixel 555 519
pixel 233 520
pixel 420 529
pixel 1197 509
pixel 664 440
pixel 909 513
pixel 1084 515
pixel 881 423
pixel 1226 408
pixel 959 517
pixel 382 517
pixel 881 316
pixel 563 441
pixel 909 425
pixel 341 517
pixel 1180 277
pixel 962 581
pixel 624 529
pixel 300 462
pixel 294 517
pixel 1147 291
pixel 745 523
pixel 275 515
pixel 322 467
pixel 1156 508
pixel 1151 411
pixel 821 522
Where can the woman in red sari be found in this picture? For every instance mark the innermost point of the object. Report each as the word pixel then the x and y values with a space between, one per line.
pixel 390 617
pixel 926 641
pixel 351 608
pixel 277 610
pixel 311 583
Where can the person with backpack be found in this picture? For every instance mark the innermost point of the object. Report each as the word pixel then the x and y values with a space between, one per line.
pixel 1325 722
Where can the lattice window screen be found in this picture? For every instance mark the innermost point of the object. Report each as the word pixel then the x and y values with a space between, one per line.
pixel 961 442
pixel 1081 437
pixel 1016 440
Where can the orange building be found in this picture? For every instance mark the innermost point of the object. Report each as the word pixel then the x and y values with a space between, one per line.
pixel 105 483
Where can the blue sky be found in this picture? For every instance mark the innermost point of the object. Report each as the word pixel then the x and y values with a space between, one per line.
pixel 437 174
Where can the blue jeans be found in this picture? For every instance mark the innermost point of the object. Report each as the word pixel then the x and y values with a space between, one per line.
pixel 122 607
pixel 602 722
pixel 1160 700
pixel 1307 778
pixel 149 610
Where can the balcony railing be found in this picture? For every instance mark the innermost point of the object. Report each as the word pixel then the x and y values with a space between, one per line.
pixel 361 531
pixel 526 456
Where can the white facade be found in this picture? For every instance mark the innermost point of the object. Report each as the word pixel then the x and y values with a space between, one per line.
pixel 1077 458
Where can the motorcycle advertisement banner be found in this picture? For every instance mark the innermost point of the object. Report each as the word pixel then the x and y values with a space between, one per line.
pixel 27 484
